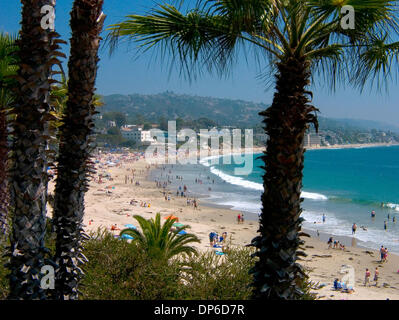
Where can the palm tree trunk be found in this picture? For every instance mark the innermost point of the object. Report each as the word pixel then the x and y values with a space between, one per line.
pixel 3 176
pixel 76 145
pixel 277 275
pixel 28 173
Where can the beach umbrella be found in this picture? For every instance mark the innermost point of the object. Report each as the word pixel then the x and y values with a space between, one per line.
pixel 130 226
pixel 172 217
pixel 126 236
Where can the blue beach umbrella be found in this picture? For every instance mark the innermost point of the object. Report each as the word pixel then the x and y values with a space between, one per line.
pixel 126 236
pixel 130 226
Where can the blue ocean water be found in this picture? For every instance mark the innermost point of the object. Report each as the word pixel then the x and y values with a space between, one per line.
pixel 344 184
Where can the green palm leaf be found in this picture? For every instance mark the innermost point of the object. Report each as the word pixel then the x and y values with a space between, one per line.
pixel 159 241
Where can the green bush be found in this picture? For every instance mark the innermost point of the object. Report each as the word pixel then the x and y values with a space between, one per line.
pixel 119 270
pixel 212 277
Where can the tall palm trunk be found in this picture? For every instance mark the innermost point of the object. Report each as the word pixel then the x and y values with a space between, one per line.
pixel 276 274
pixel 75 145
pixel 28 173
pixel 3 175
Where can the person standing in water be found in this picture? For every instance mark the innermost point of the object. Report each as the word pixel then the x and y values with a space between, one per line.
pixel 373 214
pixel 385 225
pixel 324 218
pixel 354 227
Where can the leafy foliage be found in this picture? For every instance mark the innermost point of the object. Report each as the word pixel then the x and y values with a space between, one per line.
pixel 119 270
pixel 159 241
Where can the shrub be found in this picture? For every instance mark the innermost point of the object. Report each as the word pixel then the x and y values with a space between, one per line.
pixel 120 270
pixel 211 277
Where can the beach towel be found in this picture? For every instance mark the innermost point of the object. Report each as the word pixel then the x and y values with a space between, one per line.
pixel 219 253
pixel 182 232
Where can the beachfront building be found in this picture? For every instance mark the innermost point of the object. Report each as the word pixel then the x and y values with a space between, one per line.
pixel 312 140
pixel 137 134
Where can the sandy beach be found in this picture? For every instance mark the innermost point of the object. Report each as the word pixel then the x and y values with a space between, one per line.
pixel 124 188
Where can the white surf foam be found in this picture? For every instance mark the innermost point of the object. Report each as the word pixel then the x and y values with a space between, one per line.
pixel 393 206
pixel 239 181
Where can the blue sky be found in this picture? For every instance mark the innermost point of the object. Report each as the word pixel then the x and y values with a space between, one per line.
pixel 123 73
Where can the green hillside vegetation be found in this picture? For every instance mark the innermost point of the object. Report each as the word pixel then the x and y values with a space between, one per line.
pixel 187 107
pixel 197 113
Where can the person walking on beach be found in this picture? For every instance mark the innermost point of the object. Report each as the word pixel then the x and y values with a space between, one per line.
pixel 382 253
pixel 385 258
pixel 376 275
pixel 367 278
pixel 354 227
pixel 242 218
pixel 239 218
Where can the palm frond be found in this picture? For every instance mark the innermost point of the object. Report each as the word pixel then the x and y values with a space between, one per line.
pixel 375 62
pixel 158 240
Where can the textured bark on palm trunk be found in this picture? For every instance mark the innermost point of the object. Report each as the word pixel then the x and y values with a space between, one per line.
pixel 76 145
pixel 28 173
pixel 3 176
pixel 277 275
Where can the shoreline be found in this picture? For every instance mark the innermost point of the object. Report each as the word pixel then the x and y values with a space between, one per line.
pixel 354 146
pixel 323 235
pixel 345 146
pixel 207 201
pixel 108 203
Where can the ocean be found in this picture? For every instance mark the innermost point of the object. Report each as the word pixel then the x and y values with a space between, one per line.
pixel 344 184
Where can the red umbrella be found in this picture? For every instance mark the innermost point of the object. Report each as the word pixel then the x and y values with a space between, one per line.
pixel 172 217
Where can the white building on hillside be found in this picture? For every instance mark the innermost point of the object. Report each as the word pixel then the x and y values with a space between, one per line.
pixel 137 134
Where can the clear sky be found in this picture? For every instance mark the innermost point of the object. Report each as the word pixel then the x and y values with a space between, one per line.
pixel 124 73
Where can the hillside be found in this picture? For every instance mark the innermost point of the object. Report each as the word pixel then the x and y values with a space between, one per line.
pixel 223 112
pixel 172 106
